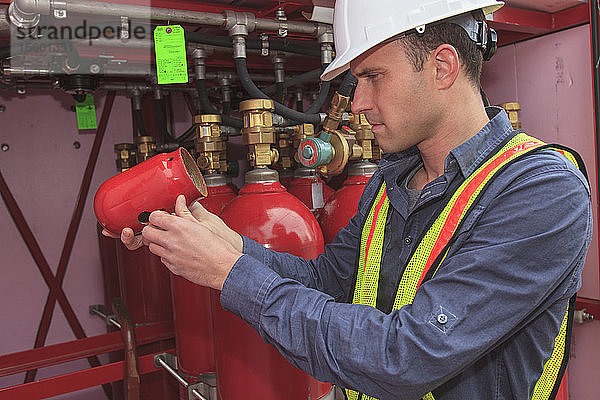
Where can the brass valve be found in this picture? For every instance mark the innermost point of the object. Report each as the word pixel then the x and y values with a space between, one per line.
pixel 338 106
pixel 126 157
pixel 512 109
pixel 285 146
pixel 364 134
pixel 146 147
pixel 258 132
pixel 210 144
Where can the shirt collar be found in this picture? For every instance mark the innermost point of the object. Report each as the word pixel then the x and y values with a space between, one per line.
pixel 468 155
pixel 471 153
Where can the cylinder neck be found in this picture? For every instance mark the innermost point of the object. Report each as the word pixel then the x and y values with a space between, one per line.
pixel 362 168
pixel 262 175
pixel 215 180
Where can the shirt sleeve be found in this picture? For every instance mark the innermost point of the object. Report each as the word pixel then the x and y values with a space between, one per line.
pixel 513 259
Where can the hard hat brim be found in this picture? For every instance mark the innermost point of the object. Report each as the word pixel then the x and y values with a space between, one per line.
pixel 342 62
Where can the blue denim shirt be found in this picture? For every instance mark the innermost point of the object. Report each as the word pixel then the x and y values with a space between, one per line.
pixel 504 285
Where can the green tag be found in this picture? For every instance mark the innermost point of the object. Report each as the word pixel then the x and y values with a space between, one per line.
pixel 86 113
pixel 171 61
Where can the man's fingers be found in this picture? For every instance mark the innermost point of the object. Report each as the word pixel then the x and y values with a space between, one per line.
pixel 181 209
pixel 131 241
pixel 158 250
pixel 161 219
pixel 152 234
pixel 110 234
pixel 198 211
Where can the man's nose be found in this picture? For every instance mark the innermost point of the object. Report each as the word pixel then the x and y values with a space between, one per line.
pixel 361 102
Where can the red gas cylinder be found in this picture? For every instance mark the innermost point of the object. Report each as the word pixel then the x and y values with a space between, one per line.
pixel 310 189
pixel 192 305
pixel 127 199
pixel 344 203
pixel 247 367
pixel 286 176
pixel 146 292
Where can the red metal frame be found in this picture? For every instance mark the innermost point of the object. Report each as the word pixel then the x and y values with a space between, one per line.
pixel 79 380
pixel 515 24
pixel 64 352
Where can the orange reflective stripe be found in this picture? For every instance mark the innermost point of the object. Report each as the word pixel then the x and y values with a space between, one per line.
pixel 466 194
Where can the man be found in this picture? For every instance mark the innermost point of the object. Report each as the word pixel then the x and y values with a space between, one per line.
pixel 481 316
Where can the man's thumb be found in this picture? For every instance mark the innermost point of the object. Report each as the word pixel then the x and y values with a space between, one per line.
pixel 181 209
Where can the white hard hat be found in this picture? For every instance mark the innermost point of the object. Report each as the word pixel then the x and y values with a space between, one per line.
pixel 359 25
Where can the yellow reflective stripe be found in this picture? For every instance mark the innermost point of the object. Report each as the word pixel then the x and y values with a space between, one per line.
pixel 352 395
pixel 440 233
pixel 367 279
pixel 549 378
pixel 428 396
pixel 568 155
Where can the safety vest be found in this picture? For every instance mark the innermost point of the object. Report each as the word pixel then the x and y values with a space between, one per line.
pixel 431 251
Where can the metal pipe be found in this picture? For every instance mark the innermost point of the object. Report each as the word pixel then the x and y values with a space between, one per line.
pixel 98 310
pixel 24 12
pixel 161 360
pixel 132 379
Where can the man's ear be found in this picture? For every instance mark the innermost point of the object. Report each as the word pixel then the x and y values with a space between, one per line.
pixel 447 66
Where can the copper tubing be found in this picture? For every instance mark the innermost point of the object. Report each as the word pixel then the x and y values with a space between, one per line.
pixel 132 376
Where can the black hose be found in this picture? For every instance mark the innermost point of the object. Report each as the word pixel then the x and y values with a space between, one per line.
pixel 315 107
pixel 250 87
pixel 185 135
pixel 161 120
pixel 208 108
pixel 348 85
pixel 139 121
pixel 297 80
pixel 226 107
pixel 280 92
pixel 289 46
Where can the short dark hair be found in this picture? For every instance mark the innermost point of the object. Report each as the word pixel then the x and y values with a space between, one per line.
pixel 418 46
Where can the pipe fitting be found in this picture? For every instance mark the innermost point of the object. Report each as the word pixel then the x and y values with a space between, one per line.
pixel 239 23
pixel 278 63
pixel 22 19
pixel 326 40
pixel 136 97
pixel 199 56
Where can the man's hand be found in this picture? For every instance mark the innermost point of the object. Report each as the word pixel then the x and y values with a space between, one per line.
pixel 191 248
pixel 131 241
pixel 206 218
pixel 216 226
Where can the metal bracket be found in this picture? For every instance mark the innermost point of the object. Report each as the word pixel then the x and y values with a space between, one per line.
pixel 283 24
pixel 100 310
pixel 264 44
pixel 169 362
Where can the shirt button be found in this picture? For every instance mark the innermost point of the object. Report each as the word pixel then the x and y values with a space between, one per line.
pixel 442 318
pixel 408 240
